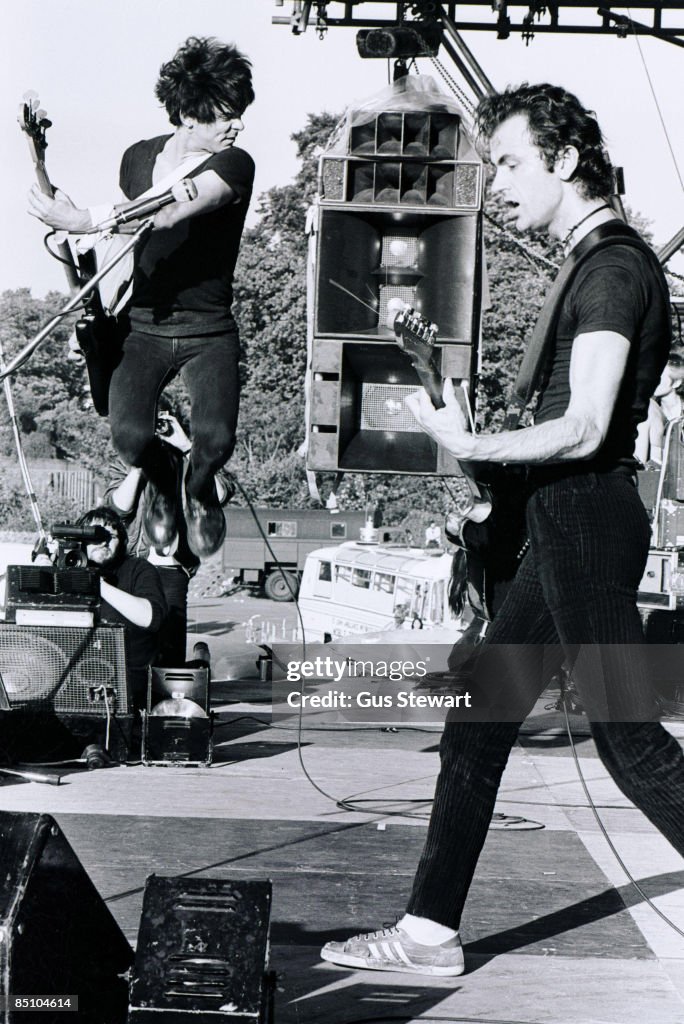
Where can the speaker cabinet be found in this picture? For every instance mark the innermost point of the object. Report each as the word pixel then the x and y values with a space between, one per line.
pixel 64 668
pixel 365 259
pixel 399 218
pixel 202 952
pixel 58 936
pixel 359 421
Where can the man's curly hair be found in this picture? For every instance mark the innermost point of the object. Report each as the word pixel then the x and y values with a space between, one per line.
pixel 205 79
pixel 556 119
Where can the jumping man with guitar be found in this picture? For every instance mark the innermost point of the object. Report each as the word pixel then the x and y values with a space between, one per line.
pixel 178 319
pixel 573 600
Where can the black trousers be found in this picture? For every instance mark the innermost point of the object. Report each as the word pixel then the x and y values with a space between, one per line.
pixel 209 368
pixel 573 601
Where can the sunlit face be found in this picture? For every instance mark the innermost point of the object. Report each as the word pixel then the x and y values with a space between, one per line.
pixel 105 552
pixel 532 193
pixel 217 135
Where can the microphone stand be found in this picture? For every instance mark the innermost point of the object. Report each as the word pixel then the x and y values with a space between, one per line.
pixel 73 303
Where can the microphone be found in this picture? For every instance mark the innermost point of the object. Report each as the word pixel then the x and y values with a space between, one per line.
pixel 182 192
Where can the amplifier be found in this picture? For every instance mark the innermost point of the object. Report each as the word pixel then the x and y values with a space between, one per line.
pixel 65 669
pixel 46 588
pixel 202 953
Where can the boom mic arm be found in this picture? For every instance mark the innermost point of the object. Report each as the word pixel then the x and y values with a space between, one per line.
pixel 183 191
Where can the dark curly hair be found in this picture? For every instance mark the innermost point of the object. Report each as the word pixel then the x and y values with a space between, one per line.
pixel 107 517
pixel 556 119
pixel 204 79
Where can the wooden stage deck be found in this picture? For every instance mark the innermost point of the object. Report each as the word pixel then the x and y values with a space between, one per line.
pixel 552 931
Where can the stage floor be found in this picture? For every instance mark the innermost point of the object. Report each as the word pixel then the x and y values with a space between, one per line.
pixel 553 932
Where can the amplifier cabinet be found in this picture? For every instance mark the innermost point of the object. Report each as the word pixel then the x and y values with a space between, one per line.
pixel 202 952
pixel 64 668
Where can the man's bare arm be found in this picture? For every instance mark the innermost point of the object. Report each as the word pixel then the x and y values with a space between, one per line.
pixel 597 367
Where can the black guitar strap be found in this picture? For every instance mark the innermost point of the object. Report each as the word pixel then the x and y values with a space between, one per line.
pixel 534 360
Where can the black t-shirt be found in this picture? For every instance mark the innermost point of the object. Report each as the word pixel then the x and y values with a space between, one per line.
pixel 183 282
pixel 139 578
pixel 618 289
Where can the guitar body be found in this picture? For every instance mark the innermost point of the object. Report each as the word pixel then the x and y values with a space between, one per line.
pixel 492 531
pixel 495 546
pixel 97 333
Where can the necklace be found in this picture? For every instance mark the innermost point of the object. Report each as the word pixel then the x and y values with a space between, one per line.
pixel 573 229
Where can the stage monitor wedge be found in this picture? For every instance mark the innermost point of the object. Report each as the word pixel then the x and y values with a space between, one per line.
pixel 58 936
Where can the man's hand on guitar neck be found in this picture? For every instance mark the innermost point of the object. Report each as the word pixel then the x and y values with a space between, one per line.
pixel 597 365
pixel 58 211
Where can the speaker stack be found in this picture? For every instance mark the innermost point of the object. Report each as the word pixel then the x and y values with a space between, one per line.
pixel 399 217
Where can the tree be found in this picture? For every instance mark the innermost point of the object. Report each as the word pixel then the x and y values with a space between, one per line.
pixel 50 391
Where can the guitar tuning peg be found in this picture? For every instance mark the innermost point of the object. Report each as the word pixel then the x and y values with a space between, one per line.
pixel 434 329
pixel 29 96
pixel 41 114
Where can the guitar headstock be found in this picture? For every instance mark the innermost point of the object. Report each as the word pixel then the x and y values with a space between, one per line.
pixel 415 334
pixel 34 121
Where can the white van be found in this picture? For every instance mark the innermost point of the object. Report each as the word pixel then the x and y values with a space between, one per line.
pixel 357 588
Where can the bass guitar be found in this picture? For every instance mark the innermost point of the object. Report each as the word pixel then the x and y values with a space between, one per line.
pixel 96 332
pixel 491 530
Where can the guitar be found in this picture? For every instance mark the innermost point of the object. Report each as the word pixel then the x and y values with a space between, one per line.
pixel 96 332
pixel 492 529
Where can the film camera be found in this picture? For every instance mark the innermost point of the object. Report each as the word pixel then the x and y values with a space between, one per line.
pixel 72 543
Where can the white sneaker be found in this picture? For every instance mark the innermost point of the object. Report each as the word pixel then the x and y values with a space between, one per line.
pixel 392 949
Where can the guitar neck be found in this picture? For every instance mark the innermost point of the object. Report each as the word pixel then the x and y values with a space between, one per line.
pixel 431 379
pixel 44 183
pixel 63 248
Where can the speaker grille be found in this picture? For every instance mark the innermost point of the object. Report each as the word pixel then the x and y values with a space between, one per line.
pixel 383 408
pixel 405 292
pixel 332 179
pixel 467 185
pixel 399 251
pixel 57 667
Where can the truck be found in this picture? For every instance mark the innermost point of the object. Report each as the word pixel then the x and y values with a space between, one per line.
pixel 268 547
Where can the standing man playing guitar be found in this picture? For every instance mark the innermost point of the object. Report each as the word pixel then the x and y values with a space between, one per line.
pixel 179 317
pixel 573 599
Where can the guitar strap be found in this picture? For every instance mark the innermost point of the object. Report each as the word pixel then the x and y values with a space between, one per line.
pixel 534 361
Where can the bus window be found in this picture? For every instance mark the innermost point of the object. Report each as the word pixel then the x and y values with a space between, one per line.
pixel 282 528
pixel 384 582
pixel 323 580
pixel 361 578
pixel 403 598
pixel 343 574
pixel 338 531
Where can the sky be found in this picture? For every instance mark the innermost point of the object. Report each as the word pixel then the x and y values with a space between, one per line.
pixel 94 64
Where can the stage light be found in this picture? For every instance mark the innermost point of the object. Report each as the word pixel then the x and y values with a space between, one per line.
pixel 410 39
